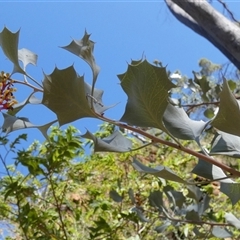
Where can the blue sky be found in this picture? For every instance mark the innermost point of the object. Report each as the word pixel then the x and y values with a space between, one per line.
pixel 122 31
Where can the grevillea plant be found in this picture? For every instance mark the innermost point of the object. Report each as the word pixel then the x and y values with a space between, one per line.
pixel 149 114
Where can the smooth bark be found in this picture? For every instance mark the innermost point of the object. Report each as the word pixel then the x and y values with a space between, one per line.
pixel 205 20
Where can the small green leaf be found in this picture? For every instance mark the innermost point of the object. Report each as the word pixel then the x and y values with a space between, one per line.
pixel 228 116
pixel 116 142
pixel 147 88
pixel 209 113
pixel 202 81
pixel 232 85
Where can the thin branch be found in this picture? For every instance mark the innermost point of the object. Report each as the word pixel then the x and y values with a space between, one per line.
pixel 228 11
pixel 36 89
pixel 232 171
pixel 58 208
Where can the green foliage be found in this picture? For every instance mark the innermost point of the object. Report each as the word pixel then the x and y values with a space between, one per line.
pixel 162 185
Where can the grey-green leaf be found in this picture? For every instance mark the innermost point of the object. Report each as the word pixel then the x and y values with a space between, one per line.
pixel 140 214
pixel 9 44
pixel 181 126
pixel 231 189
pixel 17 107
pixel 162 227
pixel 27 57
pixel 116 142
pixel 83 48
pixel 231 219
pixel 208 170
pixel 156 199
pixel 159 171
pixel 115 196
pixel 221 232
pixel 147 88
pixel 13 123
pixel 226 144
pixel 228 116
pixel 66 94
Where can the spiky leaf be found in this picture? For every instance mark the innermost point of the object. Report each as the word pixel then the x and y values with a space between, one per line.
pixel 27 57
pixel 228 116
pixel 220 232
pixel 226 144
pixel 231 189
pixel 13 123
pixel 83 48
pixel 208 170
pixel 147 89
pixel 17 107
pixel 159 171
pixel 67 95
pixel 116 142
pixel 9 44
pixel 181 126
pixel 231 219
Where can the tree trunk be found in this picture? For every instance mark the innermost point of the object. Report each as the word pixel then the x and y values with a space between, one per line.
pixel 202 18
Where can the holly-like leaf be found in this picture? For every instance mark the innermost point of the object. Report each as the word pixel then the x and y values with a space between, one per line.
pixel 231 219
pixel 114 195
pixel 13 123
pixel 156 199
pixel 83 48
pixel 162 227
pixel 177 198
pixel 27 57
pixel 192 214
pixel 67 95
pixel 194 192
pixel 159 171
pixel 17 107
pixel 9 44
pixel 231 189
pixel 220 232
pixel 181 126
pixel 208 170
pixel 226 144
pixel 147 88
pixel 228 116
pixel 116 142
pixel 44 128
pixel 139 213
